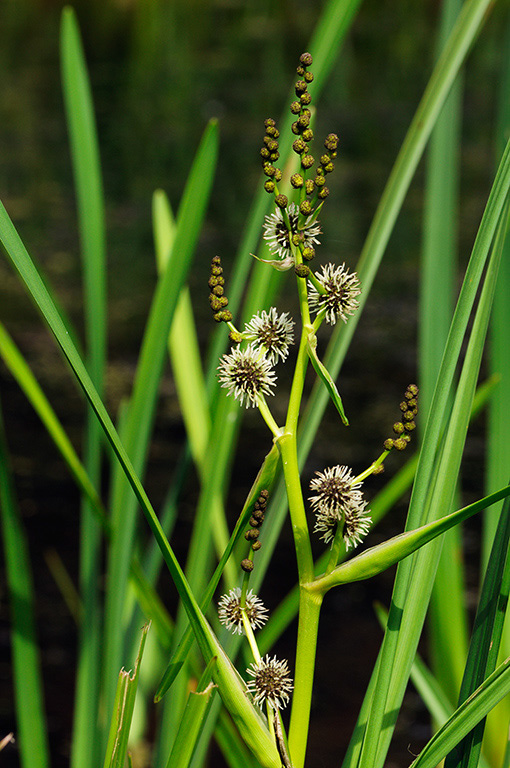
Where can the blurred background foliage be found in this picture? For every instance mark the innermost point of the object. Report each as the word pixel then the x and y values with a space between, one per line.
pixel 159 70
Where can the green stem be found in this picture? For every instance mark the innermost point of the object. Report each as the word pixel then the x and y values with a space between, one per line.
pixel 309 610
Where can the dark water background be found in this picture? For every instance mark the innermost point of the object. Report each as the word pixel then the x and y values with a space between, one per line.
pixel 159 71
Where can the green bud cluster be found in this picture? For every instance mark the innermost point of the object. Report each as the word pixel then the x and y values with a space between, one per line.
pixel 217 299
pixel 403 429
pixel 252 534
pixel 313 189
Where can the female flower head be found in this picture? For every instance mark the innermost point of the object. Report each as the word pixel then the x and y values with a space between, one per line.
pixel 272 333
pixel 271 682
pixel 339 501
pixel 340 290
pixel 247 374
pixel 229 611
pixel 278 236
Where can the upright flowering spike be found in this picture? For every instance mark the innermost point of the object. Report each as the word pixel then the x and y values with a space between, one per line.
pixel 278 236
pixel 340 290
pixel 246 374
pixel 229 611
pixel 271 682
pixel 272 333
pixel 339 501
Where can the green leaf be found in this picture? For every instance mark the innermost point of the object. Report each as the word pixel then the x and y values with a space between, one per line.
pixel 124 704
pixel 466 717
pixel 324 375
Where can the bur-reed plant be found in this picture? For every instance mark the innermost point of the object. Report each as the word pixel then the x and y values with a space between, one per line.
pixel 213 693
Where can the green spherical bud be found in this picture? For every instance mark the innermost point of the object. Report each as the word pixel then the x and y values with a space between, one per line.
pixel 305 208
pixel 398 428
pixel 331 142
pixel 269 122
pixel 274 156
pixel 328 168
pixel 265 153
pixel 410 426
pixel 278 175
pixel 307 161
pixel 295 129
pixel 297 180
pixel 319 181
pixel 247 565
pixel 256 545
pixel 309 186
pixel 308 134
pixel 303 121
pixel 295 107
pixel 305 98
pixel 270 186
pixel 323 193
pixel 281 201
pixel 308 77
pixel 401 443
pixel 297 238
pixel 306 59
pixel 308 253
pixel 302 270
pixel 300 70
pixel 299 146
pixel 388 444
pixel 224 316
pixel 269 170
pixel 235 337
pixel 300 87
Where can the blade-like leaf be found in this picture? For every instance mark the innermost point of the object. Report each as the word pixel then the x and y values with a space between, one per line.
pixel 322 372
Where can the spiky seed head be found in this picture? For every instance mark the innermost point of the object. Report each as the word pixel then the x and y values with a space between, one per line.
pixel 271 333
pixel 338 501
pixel 341 288
pixel 246 374
pixel 230 615
pixel 271 682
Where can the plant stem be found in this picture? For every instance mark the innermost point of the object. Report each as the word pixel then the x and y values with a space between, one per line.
pixel 309 610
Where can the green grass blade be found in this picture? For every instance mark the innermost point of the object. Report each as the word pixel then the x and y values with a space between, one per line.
pixel 466 717
pixel 124 704
pixel 192 721
pixel 447 620
pixel 412 595
pixel 486 637
pixel 139 420
pixel 31 732
pixel 90 202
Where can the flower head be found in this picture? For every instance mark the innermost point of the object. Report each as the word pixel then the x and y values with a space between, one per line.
pixel 271 332
pixel 229 611
pixel 341 288
pixel 246 373
pixel 339 500
pixel 271 682
pixel 277 234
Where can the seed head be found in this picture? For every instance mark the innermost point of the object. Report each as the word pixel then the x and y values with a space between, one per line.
pixel 271 333
pixel 278 236
pixel 246 373
pixel 229 611
pixel 271 682
pixel 341 288
pixel 339 501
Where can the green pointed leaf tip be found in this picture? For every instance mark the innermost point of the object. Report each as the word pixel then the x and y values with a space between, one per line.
pixel 325 376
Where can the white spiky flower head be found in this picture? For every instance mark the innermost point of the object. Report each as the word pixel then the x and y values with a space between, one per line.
pixel 277 234
pixel 271 332
pixel 338 500
pixel 229 611
pixel 247 374
pixel 271 682
pixel 341 288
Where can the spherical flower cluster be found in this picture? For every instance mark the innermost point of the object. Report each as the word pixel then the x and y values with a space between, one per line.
pixel 278 235
pixel 271 333
pixel 340 290
pixel 229 611
pixel 247 375
pixel 339 501
pixel 271 682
